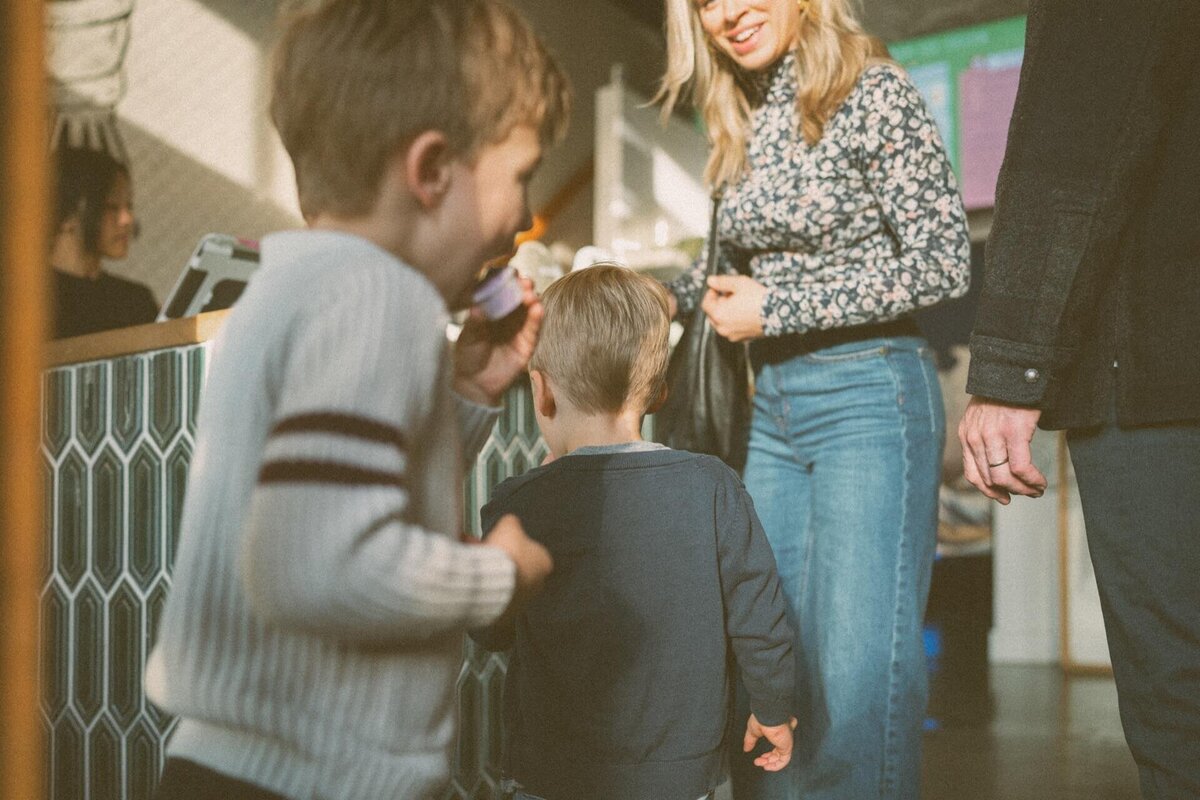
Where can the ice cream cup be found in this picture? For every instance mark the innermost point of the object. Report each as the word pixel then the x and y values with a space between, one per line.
pixel 499 293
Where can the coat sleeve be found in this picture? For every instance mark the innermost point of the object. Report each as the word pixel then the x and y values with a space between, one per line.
pixel 1084 120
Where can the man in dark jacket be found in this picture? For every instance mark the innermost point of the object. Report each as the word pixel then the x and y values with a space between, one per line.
pixel 1089 321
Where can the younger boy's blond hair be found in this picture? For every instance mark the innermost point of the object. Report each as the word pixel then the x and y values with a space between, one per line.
pixel 357 80
pixel 605 338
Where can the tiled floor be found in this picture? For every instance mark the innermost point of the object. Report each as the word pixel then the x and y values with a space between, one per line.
pixel 1048 738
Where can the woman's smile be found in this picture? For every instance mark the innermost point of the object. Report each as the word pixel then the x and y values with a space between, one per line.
pixel 753 33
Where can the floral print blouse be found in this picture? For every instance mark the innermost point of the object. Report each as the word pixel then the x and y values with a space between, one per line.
pixel 865 226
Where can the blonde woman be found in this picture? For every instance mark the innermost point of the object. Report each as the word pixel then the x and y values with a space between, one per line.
pixel 842 215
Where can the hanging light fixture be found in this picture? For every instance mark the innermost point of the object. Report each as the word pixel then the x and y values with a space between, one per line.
pixel 87 42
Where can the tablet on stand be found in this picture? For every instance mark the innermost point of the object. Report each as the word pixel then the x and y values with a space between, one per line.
pixel 214 277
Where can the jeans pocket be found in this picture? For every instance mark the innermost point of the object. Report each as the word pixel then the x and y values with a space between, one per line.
pixel 837 354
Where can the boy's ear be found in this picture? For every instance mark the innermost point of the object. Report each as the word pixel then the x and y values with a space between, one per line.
pixel 543 394
pixel 657 403
pixel 426 166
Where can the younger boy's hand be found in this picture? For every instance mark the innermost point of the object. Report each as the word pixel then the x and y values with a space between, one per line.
pixel 778 735
pixel 484 368
pixel 532 559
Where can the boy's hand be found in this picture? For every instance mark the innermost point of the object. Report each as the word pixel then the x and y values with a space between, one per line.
pixel 484 368
pixel 778 735
pixel 532 559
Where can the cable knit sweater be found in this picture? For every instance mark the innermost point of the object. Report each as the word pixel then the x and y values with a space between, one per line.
pixel 312 635
pixel 866 225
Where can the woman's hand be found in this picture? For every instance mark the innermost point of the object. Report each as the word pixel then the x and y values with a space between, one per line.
pixel 484 368
pixel 733 304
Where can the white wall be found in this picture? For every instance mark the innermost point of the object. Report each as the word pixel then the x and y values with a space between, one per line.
pixel 648 190
pixel 1025 627
pixel 194 120
pixel 588 38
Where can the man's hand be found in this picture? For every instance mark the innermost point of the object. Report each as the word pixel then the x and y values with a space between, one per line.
pixel 484 368
pixel 733 304
pixel 778 735
pixel 995 441
pixel 533 561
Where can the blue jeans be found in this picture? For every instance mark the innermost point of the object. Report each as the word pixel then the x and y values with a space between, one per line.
pixel 1140 491
pixel 844 465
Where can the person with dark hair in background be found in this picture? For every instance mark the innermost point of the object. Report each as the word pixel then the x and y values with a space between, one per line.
pixel 1089 321
pixel 94 220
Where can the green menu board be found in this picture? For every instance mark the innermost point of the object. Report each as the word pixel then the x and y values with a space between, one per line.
pixel 969 79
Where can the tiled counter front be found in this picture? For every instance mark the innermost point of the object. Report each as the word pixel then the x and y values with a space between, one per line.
pixel 513 448
pixel 118 436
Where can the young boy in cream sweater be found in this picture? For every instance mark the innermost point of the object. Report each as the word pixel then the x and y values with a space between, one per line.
pixel 313 631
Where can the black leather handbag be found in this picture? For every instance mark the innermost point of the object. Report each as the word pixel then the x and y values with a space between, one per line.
pixel 708 385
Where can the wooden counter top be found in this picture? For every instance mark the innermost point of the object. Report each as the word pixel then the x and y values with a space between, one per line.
pixel 137 339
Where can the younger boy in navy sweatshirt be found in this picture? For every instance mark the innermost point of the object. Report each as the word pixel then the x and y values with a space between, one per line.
pixel 619 678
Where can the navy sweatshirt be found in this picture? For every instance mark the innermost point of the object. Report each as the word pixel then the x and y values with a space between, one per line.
pixel 619 678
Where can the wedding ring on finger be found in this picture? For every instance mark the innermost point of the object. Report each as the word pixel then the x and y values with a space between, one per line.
pixel 999 463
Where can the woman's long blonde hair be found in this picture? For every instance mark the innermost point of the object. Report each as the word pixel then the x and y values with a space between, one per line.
pixel 832 49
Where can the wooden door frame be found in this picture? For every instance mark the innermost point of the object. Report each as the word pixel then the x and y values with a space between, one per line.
pixel 24 207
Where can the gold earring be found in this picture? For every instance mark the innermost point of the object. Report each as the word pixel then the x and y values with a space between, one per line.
pixel 802 6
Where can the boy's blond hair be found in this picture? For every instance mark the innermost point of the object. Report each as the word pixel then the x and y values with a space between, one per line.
pixel 605 338
pixel 357 80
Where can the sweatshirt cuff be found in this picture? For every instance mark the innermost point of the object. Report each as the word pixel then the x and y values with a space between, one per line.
pixel 772 711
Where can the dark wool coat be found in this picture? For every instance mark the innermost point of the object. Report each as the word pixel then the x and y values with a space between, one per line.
pixel 1091 291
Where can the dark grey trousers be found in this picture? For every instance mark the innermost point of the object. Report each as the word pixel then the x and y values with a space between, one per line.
pixel 1140 489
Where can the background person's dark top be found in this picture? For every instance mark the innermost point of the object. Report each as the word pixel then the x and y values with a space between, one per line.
pixel 618 684
pixel 83 305
pixel 1094 255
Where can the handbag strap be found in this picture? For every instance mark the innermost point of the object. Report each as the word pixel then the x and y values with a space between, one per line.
pixel 714 241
